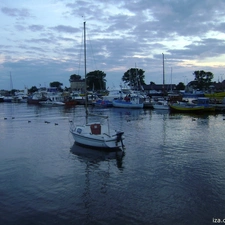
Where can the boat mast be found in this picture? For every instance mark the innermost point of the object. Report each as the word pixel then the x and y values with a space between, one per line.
pixel 85 73
pixel 163 74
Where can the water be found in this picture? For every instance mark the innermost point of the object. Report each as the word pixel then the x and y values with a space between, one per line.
pixel 172 171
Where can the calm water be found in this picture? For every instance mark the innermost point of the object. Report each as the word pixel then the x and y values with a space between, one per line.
pixel 172 171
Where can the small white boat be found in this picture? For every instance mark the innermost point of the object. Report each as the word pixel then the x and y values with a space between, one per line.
pixel 161 105
pixel 97 135
pixel 49 102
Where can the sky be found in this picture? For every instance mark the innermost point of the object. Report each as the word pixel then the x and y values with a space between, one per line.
pixel 42 40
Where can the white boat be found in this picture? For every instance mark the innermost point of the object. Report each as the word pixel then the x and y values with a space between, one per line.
pixel 53 98
pixel 49 102
pixel 161 105
pixel 8 98
pixel 95 134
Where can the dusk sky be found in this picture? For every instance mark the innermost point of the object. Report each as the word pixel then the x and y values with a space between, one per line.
pixel 41 40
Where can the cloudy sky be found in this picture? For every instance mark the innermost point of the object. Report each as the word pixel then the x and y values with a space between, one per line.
pixel 41 40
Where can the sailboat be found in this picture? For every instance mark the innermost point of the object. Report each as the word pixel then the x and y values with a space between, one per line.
pixel 162 104
pixel 95 134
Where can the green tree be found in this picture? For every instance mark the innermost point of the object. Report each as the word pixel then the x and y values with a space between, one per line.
pixel 56 84
pixel 32 89
pixel 74 77
pixel 134 77
pixel 180 86
pixel 96 80
pixel 202 79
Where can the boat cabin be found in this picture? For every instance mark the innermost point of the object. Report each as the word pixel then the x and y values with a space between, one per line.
pixel 95 128
pixel 203 101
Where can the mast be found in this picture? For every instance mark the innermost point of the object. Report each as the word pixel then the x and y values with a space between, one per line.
pixel 85 73
pixel 11 82
pixel 163 73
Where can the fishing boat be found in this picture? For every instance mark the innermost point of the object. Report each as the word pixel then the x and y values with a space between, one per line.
pixel 95 134
pixel 132 101
pixel 186 108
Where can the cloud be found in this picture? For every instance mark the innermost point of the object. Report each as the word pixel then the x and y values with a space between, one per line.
pixel 48 37
pixel 18 13
pixel 66 29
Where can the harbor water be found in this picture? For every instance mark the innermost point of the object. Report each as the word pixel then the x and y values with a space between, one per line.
pixel 171 172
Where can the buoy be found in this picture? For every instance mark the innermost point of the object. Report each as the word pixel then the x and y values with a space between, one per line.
pixel 56 123
pixel 29 121
pixel 5 118
pixel 13 117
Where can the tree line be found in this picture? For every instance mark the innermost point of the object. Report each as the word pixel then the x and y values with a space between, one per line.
pixel 134 78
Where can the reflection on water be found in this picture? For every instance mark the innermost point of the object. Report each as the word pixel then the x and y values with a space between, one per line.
pixel 172 171
pixel 95 156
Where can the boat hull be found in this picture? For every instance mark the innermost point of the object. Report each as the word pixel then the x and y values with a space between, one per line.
pixel 124 104
pixel 215 95
pixel 186 108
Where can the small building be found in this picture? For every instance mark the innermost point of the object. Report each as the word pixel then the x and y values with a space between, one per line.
pixel 77 85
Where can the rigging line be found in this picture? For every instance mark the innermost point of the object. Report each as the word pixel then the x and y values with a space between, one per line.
pixel 92 53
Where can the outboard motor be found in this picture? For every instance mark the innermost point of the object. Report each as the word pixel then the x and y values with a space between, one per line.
pixel 119 138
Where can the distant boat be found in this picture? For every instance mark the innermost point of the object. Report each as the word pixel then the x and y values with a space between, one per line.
pixel 161 105
pixel 103 103
pixel 202 101
pixel 215 95
pixel 36 97
pixel 1 98
pixel 8 98
pixel 186 108
pixel 49 102
pixel 95 134
pixel 129 102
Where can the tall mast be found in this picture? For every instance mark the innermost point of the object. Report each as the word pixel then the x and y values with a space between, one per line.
pixel 163 73
pixel 85 71
pixel 11 83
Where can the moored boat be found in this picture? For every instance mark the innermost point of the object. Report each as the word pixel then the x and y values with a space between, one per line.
pixel 134 103
pixel 162 105
pixel 189 108
pixel 95 134
pixel 202 101
pixel 215 95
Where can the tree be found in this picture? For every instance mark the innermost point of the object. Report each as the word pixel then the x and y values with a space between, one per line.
pixel 56 84
pixel 96 80
pixel 203 79
pixel 134 77
pixel 180 86
pixel 74 77
pixel 32 89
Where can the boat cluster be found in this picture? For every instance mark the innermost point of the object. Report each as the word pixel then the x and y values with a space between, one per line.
pixel 122 98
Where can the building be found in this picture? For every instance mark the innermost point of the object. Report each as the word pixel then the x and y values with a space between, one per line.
pixel 77 85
